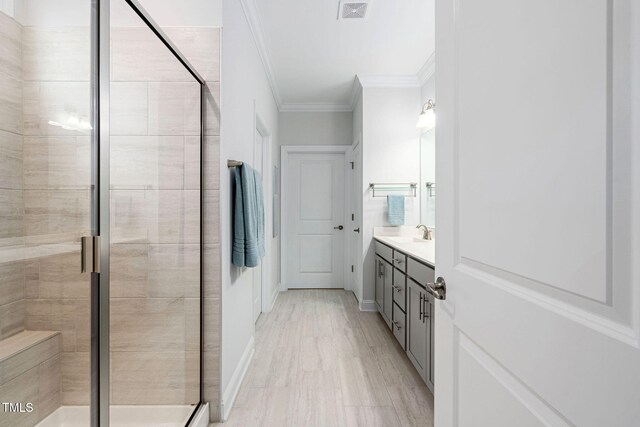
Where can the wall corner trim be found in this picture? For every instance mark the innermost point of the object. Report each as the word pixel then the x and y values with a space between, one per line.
pixel 274 296
pixel 231 392
pixel 368 305
pixel 427 70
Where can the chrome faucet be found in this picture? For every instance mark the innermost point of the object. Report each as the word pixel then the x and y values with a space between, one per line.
pixel 426 233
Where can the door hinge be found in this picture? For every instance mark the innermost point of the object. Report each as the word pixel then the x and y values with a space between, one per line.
pixel 90 254
pixel 352 268
pixel 353 217
pixel 352 165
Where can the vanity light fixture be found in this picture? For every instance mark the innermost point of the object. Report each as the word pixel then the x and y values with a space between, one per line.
pixel 427 119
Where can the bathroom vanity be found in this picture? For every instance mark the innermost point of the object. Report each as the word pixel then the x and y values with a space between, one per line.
pixel 404 264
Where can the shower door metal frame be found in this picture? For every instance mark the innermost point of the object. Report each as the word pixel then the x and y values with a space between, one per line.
pixel 100 199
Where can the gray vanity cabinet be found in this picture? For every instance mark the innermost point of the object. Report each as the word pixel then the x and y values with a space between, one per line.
pixel 406 306
pixel 384 288
pixel 418 328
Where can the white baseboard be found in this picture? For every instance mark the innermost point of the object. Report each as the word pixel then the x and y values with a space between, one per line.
pixel 231 392
pixel 283 288
pixel 274 296
pixel 368 305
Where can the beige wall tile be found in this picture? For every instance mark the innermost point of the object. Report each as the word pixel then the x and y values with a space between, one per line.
pixel 57 53
pixel 10 104
pixel 12 318
pixel 211 267
pixel 174 108
pixel 76 378
pixel 211 216
pixel 138 55
pixel 129 270
pixel 163 216
pixel 49 386
pixel 128 109
pixel 55 101
pixel 62 162
pixel 212 110
pixel 60 277
pixel 153 378
pixel 147 324
pixel 211 324
pixel 174 271
pixel 10 47
pixel 11 213
pixel 192 162
pixel 211 163
pixel 10 161
pixel 147 162
pixel 13 279
pixel 54 315
pixel 21 389
pixel 192 324
pixel 56 211
pixel 201 46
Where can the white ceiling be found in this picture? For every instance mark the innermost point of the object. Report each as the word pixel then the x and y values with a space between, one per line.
pixel 312 57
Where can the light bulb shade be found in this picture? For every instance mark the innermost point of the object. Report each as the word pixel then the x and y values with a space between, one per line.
pixel 427 119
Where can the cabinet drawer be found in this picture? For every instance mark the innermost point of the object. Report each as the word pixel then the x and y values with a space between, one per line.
pixel 384 251
pixel 419 272
pixel 400 261
pixel 399 325
pixel 399 289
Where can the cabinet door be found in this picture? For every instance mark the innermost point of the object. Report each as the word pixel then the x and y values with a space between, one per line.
pixel 379 284
pixel 417 328
pixel 388 292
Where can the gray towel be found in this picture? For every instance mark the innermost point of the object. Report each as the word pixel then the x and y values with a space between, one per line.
pixel 248 218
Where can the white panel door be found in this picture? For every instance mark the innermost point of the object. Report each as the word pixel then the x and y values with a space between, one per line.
pixel 538 172
pixel 315 193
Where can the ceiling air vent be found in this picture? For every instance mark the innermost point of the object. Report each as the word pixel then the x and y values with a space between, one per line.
pixel 353 10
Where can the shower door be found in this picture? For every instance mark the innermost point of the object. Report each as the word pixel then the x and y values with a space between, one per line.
pixel 148 307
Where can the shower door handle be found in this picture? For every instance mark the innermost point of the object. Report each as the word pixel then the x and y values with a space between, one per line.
pixel 90 254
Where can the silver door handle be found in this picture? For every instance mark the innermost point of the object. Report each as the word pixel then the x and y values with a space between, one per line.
pixel 438 289
pixel 338 227
pixel 357 230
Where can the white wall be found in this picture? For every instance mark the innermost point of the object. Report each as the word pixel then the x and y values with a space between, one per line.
pixel 243 82
pixel 391 153
pixel 427 158
pixel 317 128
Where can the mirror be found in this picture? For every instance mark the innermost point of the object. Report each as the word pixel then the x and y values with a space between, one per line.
pixel 428 178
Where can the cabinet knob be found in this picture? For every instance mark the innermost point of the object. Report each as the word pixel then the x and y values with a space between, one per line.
pixel 340 227
pixel 397 325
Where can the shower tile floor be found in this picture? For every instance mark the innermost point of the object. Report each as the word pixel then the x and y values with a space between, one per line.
pixel 122 416
pixel 319 361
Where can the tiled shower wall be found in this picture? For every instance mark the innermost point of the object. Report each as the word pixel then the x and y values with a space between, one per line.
pixel 155 201
pixel 12 305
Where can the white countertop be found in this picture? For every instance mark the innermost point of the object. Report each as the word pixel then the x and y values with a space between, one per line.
pixel 405 239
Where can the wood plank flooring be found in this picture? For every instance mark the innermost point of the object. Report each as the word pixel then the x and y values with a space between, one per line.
pixel 319 361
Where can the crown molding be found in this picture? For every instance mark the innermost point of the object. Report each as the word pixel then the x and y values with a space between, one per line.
pixel 253 19
pixel 427 70
pixel 321 107
pixel 389 81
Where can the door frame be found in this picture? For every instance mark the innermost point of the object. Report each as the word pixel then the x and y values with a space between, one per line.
pixel 285 151
pixel 267 185
pixel 355 203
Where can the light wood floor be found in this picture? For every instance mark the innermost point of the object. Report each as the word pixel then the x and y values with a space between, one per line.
pixel 319 361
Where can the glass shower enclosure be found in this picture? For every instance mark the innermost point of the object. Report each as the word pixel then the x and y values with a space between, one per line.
pixel 101 129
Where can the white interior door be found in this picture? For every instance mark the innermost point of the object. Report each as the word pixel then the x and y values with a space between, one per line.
pixel 538 213
pixel 257 272
pixel 314 242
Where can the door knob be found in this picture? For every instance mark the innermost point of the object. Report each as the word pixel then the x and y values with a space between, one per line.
pixel 438 289
pixel 338 227
pixel 357 230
